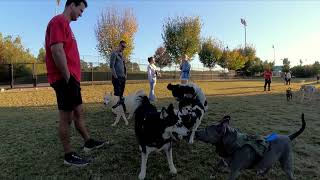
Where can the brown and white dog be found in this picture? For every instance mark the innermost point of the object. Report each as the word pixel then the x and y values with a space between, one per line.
pixel 307 91
pixel 130 102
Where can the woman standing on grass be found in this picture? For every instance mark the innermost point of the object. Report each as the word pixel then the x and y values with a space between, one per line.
pixel 267 78
pixel 152 77
pixel 185 69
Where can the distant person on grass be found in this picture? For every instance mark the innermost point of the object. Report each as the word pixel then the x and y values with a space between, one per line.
pixel 63 67
pixel 288 81
pixel 267 78
pixel 119 73
pixel 185 68
pixel 152 77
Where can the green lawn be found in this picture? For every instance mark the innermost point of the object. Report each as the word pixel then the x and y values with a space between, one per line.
pixel 30 148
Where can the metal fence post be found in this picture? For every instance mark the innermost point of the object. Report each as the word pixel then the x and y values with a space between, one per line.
pixel 11 75
pixel 34 75
pixel 91 65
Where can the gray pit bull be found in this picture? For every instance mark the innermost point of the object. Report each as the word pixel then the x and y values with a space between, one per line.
pixel 239 156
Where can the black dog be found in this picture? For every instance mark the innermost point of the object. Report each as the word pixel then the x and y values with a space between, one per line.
pixel 289 94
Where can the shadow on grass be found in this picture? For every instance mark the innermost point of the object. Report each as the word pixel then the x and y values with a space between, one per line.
pixel 30 147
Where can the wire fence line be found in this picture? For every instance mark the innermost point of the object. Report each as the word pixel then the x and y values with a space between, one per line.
pixel 143 63
pixel 20 74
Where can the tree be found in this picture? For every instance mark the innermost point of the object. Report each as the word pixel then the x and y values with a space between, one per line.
pixel 112 27
pixel 181 35
pixel 268 65
pixel 286 65
pixel 256 67
pixel 162 58
pixel 316 67
pixel 41 55
pixel 249 54
pixel 132 66
pixel 210 52
pixel 235 60
pixel 12 51
pixel 102 67
pixel 223 61
pixel 84 65
pixel 300 61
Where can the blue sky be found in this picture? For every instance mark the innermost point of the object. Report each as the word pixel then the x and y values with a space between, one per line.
pixel 292 26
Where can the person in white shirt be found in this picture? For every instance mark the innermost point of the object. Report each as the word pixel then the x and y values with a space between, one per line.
pixel 288 78
pixel 152 77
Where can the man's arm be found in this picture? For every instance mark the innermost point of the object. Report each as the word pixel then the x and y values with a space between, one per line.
pixel 60 60
pixel 112 62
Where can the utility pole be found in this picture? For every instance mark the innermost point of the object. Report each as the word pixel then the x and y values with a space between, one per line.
pixel 57 6
pixel 244 23
pixel 274 54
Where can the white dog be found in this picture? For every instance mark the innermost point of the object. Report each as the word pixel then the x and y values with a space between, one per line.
pixel 307 91
pixel 130 102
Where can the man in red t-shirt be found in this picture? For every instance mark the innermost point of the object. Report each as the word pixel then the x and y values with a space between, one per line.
pixel 267 78
pixel 64 75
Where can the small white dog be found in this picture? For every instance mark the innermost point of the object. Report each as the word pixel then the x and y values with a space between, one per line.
pixel 130 102
pixel 307 91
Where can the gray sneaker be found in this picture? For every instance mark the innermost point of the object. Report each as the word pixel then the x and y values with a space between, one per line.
pixel 92 144
pixel 73 159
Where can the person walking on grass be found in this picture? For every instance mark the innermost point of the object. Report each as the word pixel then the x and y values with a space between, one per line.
pixel 119 73
pixel 288 82
pixel 152 77
pixel 185 68
pixel 63 70
pixel 267 78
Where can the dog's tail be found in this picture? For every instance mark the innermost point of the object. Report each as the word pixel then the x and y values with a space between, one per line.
pixel 296 134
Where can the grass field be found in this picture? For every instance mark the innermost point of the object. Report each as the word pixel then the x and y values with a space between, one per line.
pixel 30 149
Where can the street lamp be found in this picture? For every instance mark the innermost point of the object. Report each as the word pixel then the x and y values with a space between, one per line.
pixel 244 23
pixel 274 54
pixel 57 5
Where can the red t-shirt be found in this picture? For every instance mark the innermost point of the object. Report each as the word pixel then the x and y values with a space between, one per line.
pixel 59 31
pixel 267 74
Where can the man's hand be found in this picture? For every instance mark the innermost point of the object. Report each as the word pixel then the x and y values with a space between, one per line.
pixel 60 60
pixel 67 78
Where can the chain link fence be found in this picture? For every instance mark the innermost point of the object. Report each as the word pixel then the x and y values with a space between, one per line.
pixel 35 74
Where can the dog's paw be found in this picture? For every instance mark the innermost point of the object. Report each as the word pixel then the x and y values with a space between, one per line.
pixel 126 123
pixel 191 141
pixel 142 175
pixel 173 170
pixel 113 125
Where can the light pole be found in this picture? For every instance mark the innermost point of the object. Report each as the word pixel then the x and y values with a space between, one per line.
pixel 244 23
pixel 57 5
pixel 274 54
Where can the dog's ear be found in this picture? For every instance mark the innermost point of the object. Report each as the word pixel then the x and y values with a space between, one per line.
pixel 163 113
pixel 170 109
pixel 224 123
pixel 226 119
pixel 169 87
pixel 188 90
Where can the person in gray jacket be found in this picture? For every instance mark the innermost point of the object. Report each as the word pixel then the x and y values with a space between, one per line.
pixel 119 73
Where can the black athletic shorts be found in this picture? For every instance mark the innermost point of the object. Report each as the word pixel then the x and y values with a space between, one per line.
pixel 68 94
pixel 118 85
